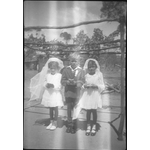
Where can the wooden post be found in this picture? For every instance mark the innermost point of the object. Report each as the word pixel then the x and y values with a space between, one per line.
pixel 122 118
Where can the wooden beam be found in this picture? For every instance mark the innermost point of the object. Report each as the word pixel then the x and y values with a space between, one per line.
pixel 104 48
pixel 42 44
pixel 80 51
pixel 118 91
pixel 72 45
pixel 121 125
pixel 70 26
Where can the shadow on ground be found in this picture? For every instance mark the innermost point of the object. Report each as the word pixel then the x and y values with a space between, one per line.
pixel 46 122
pixel 81 125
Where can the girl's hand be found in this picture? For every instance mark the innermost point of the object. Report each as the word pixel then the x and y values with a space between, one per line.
pixel 86 85
pixel 49 85
pixel 94 86
pixel 90 86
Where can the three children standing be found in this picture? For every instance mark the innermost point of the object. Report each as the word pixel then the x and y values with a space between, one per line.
pixel 83 89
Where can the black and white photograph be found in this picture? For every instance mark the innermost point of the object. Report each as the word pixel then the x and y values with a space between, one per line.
pixel 74 68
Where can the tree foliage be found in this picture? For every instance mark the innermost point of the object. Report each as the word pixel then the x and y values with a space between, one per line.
pixel 113 9
pixel 66 36
pixel 81 38
pixel 35 39
pixel 97 35
pixel 111 37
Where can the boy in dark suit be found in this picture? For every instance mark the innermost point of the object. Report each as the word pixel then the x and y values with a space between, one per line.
pixel 72 79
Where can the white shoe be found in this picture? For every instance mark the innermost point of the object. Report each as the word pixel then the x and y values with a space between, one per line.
pixel 54 125
pixel 48 127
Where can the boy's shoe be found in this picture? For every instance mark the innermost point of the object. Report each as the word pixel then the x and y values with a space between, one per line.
pixel 73 128
pixel 68 129
pixel 54 125
pixel 69 126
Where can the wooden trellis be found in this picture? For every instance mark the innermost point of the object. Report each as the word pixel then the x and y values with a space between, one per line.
pixel 86 49
pixel 70 26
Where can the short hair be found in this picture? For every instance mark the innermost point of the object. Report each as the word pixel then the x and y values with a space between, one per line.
pixel 74 56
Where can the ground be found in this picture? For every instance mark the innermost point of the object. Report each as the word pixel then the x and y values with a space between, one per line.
pixel 36 118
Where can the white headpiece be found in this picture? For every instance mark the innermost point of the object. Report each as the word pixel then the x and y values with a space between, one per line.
pixel 86 64
pixel 36 84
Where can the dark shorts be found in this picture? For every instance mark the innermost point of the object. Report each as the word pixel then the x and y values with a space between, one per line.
pixel 71 88
pixel 70 100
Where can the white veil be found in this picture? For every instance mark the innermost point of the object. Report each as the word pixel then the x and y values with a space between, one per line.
pixel 36 84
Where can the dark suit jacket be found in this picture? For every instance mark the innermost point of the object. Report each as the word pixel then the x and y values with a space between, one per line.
pixel 72 91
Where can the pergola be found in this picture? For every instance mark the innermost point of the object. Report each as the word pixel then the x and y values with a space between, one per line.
pixel 88 49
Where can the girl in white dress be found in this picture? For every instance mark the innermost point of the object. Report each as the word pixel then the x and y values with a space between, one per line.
pixel 47 85
pixel 91 97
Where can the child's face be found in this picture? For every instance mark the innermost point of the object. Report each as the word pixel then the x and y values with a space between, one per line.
pixel 73 63
pixel 91 67
pixel 53 68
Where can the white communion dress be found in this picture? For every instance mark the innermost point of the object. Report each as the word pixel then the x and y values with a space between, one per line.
pixel 91 98
pixel 52 97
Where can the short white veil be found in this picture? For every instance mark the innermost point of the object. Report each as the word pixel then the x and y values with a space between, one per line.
pixel 36 84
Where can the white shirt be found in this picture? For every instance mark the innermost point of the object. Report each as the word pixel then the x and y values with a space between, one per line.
pixel 75 70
